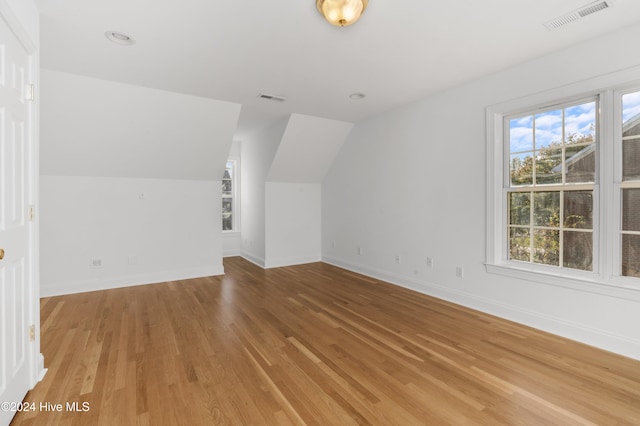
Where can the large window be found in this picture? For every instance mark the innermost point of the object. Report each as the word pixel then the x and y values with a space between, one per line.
pixel 552 158
pixel 563 198
pixel 229 199
pixel 630 185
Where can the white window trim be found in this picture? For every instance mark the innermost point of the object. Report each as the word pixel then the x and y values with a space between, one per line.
pixel 605 278
pixel 235 197
pixel 506 188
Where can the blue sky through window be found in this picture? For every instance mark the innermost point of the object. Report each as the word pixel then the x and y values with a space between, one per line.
pixel 521 134
pixel 630 106
pixel 548 128
pixel 579 120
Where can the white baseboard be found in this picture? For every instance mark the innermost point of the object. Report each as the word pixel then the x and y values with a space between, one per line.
pixel 256 260
pixel 291 261
pixel 40 371
pixel 622 345
pixel 58 289
pixel 278 263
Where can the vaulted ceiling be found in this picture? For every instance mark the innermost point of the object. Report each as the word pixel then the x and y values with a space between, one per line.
pixel 400 50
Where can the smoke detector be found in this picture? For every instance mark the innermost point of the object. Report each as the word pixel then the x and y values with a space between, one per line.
pixel 578 14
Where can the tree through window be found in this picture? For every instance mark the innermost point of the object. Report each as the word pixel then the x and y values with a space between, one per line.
pixel 552 173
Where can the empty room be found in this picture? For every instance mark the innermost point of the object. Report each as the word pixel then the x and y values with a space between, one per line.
pixel 322 212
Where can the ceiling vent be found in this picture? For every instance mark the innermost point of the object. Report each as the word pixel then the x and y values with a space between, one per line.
pixel 577 14
pixel 272 97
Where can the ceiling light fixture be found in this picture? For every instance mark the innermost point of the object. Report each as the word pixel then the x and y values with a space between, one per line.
pixel 120 38
pixel 341 12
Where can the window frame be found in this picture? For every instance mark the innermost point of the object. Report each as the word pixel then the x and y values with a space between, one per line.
pixel 605 278
pixel 235 194
pixel 619 183
pixel 560 188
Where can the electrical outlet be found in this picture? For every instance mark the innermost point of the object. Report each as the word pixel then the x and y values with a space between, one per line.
pixel 132 260
pixel 398 259
pixel 95 262
pixel 359 251
pixel 430 262
pixel 459 271
pixel 333 244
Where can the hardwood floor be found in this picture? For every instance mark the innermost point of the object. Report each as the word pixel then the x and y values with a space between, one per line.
pixel 312 344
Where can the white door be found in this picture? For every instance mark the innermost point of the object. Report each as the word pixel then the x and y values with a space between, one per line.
pixel 16 291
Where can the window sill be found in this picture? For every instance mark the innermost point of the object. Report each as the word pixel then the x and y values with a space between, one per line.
pixel 618 287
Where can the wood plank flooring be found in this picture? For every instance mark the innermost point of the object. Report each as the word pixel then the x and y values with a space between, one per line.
pixel 313 344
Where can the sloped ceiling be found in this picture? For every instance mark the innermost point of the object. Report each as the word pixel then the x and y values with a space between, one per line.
pixel 400 51
pixel 307 150
pixel 92 127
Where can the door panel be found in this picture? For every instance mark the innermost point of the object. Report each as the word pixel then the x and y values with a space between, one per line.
pixel 15 230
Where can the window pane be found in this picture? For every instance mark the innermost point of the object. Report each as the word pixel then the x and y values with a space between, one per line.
pixel 555 223
pixel 578 209
pixel 519 244
pixel 546 247
pixel 580 123
pixel 519 208
pixel 632 127
pixel 226 187
pixel 521 169
pixel 631 172
pixel 546 209
pixel 578 250
pixel 631 114
pixel 548 129
pixel 521 134
pixel 631 210
pixel 631 255
pixel 549 166
pixel 580 135
pixel 227 214
pixel 631 159
pixel 580 163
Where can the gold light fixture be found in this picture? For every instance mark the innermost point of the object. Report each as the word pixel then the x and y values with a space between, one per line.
pixel 341 12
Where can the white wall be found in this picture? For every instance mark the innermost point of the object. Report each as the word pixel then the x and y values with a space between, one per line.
pixel 171 233
pixel 231 244
pixel 102 145
pixel 27 14
pixel 258 152
pixel 293 224
pixel 411 182
pixel 93 127
pixel 308 148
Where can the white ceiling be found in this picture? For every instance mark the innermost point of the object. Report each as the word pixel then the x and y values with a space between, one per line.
pixel 308 148
pixel 399 51
pixel 94 133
